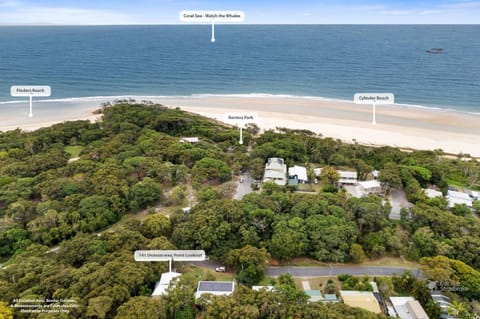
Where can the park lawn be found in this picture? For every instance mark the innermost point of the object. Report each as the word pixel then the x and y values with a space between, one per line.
pixel 74 151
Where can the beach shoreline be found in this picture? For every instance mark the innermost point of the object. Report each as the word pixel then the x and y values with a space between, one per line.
pixel 398 126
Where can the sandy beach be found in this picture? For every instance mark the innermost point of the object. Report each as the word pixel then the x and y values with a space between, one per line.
pixel 399 126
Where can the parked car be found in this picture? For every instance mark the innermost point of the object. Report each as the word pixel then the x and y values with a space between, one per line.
pixel 220 269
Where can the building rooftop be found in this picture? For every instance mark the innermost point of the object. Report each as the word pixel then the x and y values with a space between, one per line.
pixel 299 171
pixel 189 140
pixel 473 194
pixel 432 193
pixel 408 308
pixel 267 288
pixel 458 195
pixel 274 174
pixel 416 309
pixel 361 299
pixel 330 298
pixel 370 184
pixel 218 288
pixel 276 171
pixel 347 174
pixel 314 295
pixel 275 161
pixel 292 181
pixel 349 181
pixel 455 197
pixel 164 283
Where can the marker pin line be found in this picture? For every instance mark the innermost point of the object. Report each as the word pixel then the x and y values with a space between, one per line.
pixel 374 119
pixel 213 32
pixel 30 114
pixel 241 136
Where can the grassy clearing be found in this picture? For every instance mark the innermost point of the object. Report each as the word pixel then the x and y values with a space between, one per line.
pixel 309 262
pixel 391 261
pixel 74 151
pixel 297 262
pixel 317 283
pixel 306 262
pixel 267 281
pixel 203 273
pixel 306 187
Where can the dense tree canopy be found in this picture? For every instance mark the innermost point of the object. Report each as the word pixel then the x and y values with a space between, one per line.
pixel 56 240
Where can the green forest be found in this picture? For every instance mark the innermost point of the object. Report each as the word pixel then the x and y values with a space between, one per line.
pixel 78 198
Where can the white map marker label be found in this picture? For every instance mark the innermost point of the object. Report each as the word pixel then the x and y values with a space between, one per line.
pixel 374 99
pixel 169 255
pixel 30 91
pixel 219 17
pixel 241 120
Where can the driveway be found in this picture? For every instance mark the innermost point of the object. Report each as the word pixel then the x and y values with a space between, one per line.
pixel 398 200
pixel 244 188
pixel 354 190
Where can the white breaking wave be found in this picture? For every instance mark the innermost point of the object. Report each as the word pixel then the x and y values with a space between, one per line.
pixel 138 98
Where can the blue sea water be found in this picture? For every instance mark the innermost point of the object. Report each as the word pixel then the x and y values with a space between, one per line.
pixel 303 60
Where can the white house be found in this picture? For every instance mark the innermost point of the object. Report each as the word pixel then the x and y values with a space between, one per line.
pixel 455 197
pixel 407 308
pixel 275 171
pixel 347 177
pixel 371 187
pixel 473 194
pixel 164 283
pixel 298 172
pixel 443 301
pixel 432 193
pixel 191 140
pixel 217 288
pixel 266 288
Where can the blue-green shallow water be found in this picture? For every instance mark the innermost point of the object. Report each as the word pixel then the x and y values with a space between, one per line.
pixel 304 60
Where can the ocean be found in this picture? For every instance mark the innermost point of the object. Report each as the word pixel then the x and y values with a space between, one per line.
pixel 318 61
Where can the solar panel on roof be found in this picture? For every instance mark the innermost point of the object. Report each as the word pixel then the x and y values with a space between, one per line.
pixel 215 286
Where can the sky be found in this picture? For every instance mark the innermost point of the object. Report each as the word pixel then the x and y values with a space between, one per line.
pixel 108 12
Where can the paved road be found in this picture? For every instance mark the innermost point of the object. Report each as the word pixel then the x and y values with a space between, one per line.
pixel 338 270
pixel 244 188
pixel 325 271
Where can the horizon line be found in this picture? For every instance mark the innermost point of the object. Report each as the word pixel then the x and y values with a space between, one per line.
pixel 238 24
